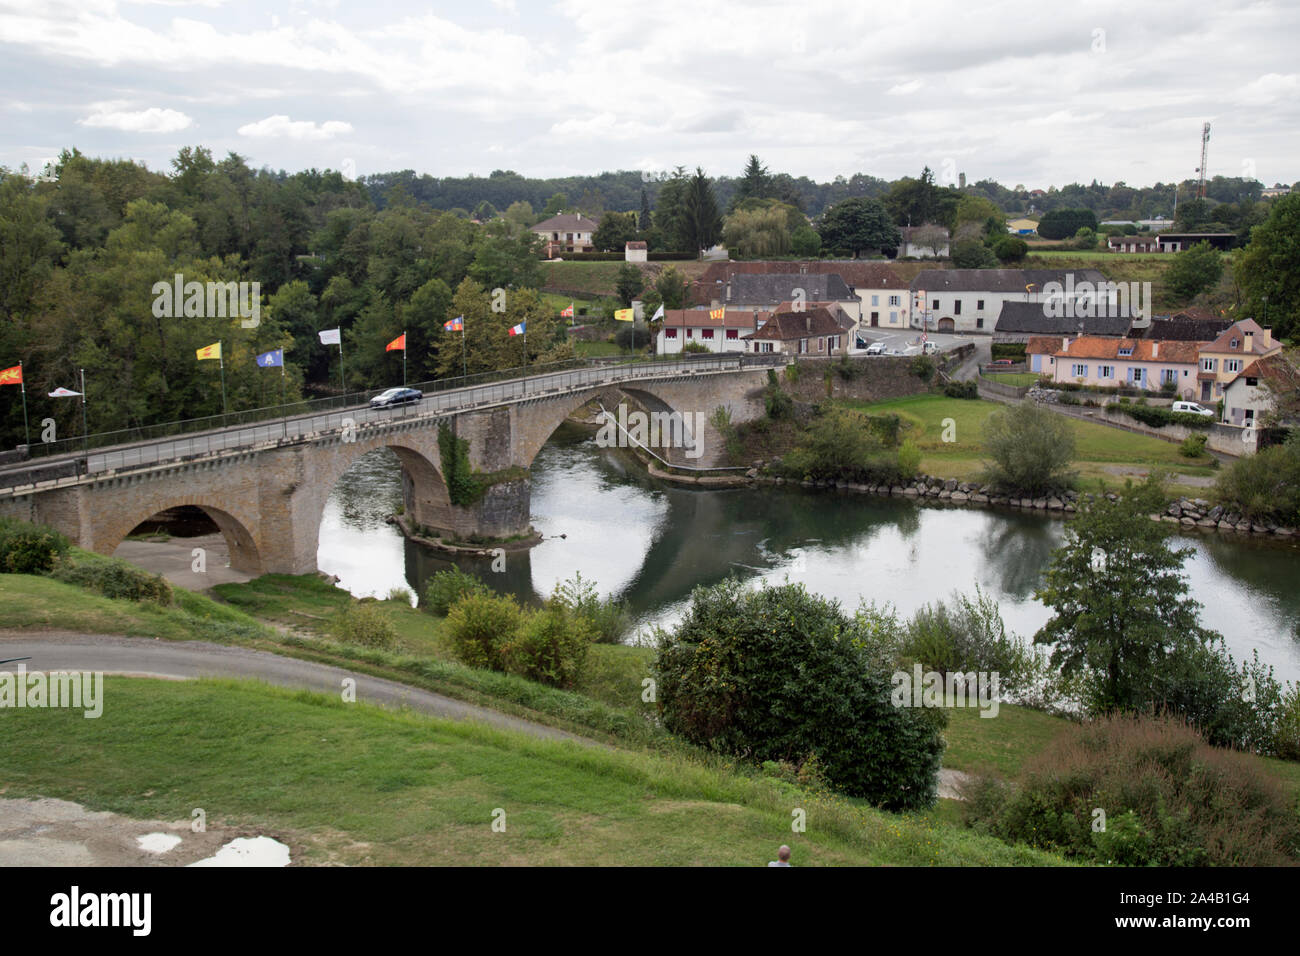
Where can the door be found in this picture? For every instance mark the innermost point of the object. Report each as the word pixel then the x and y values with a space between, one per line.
pixel 947 325
pixel 1205 391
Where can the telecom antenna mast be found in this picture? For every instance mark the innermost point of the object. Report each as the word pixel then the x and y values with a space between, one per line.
pixel 1205 148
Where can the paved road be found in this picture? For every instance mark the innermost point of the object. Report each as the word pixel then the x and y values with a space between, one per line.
pixel 64 651
pixel 435 403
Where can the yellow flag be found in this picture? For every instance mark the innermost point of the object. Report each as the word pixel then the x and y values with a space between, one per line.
pixel 718 313
pixel 624 315
pixel 212 351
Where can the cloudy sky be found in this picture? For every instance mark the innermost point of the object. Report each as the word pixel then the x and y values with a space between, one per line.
pixel 1038 93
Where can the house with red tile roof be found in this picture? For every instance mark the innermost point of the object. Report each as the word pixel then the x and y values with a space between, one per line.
pixel 1250 396
pixel 1235 350
pixel 721 334
pixel 1130 363
pixel 812 333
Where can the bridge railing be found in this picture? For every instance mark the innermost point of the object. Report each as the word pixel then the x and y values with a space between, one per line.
pixel 441 398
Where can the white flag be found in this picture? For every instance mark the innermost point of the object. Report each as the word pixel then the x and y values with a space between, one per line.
pixel 329 337
pixel 659 314
pixel 64 393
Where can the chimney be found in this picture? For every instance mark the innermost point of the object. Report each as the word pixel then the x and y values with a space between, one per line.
pixel 1155 349
pixel 807 323
pixel 1250 338
pixel 1065 344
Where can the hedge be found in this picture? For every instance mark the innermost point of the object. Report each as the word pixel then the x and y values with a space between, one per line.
pixel 1158 417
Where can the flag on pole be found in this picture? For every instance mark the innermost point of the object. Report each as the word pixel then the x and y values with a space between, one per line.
pixel 520 328
pixel 64 393
pixel 271 359
pixel 624 315
pixel 567 313
pixel 659 313
pixel 212 351
pixel 11 376
pixel 718 313
pixel 330 337
pixel 455 325
pixel 397 343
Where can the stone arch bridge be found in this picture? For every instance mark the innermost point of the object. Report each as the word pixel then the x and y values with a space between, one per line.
pixel 265 485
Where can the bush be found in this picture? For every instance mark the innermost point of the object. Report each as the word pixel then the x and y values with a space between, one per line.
pixel 779 674
pixel 30 548
pixel 447 587
pixel 696 348
pixel 1010 248
pixel 1169 799
pixel 845 445
pixel 480 626
pixel 1193 446
pixel 115 578
pixel 1158 417
pixel 629 338
pixel 1009 350
pixel 550 646
pixel 962 389
pixel 776 402
pixel 607 618
pixel 1264 486
pixel 366 624
pixel 1029 448
pixel 922 366
pixel 968 635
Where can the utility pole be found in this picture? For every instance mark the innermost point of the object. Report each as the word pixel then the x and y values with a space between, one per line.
pixel 1205 149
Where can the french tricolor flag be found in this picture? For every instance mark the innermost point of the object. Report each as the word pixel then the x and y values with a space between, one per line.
pixel 519 329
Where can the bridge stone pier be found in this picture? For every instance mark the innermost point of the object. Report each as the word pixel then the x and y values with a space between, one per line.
pixel 266 486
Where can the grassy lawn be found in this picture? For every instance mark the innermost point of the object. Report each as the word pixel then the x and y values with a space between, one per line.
pixel 350 784
pixel 1096 446
pixel 1018 379
pixel 596 349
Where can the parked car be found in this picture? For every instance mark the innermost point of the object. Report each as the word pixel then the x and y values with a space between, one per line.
pixel 396 396
pixel 1191 408
pixel 931 348
pixel 1001 363
pixel 876 348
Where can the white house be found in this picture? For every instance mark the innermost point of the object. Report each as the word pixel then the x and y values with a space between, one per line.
pixel 717 333
pixel 1249 396
pixel 971 300
pixel 567 232
pixel 635 251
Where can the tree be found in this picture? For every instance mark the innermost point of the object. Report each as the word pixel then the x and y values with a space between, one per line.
pixel 555 205
pixel 1029 448
pixel 912 202
pixel 1119 600
pixel 616 229
pixel 805 242
pixel 1194 270
pixel 981 211
pixel 702 222
pixel 630 283
pixel 859 226
pixel 973 254
pixel 754 183
pixel 761 228
pixel 1010 248
pixel 1065 223
pixel 643 223
pixel 670 213
pixel 781 674
pixel 1268 269
pixel 671 287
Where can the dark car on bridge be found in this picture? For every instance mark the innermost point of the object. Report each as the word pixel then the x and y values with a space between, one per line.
pixel 396 396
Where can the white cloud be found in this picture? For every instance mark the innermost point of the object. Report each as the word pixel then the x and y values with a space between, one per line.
pixel 902 89
pixel 152 120
pixel 280 126
pixel 1269 88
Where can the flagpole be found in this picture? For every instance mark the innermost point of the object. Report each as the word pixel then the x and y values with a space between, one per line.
pixel 85 431
pixel 284 420
pixel 342 379
pixel 464 366
pixel 221 361
pixel 22 380
pixel 403 358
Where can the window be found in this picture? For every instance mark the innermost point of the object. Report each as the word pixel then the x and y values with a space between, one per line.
pixel 1232 365
pixel 1136 375
pixel 1105 371
pixel 733 333
pixel 1252 382
pixel 670 333
pixel 934 304
pixel 1169 375
pixel 706 333
pixel 1209 365
pixel 1232 344
pixel 956 308
pixel 821 345
pixel 1126 350
pixel 690 333
pixel 979 305
pixel 979 323
pixel 767 346
pixel 1079 371
pixel 893 300
pixel 1250 415
pixel 893 318
pixel 875 300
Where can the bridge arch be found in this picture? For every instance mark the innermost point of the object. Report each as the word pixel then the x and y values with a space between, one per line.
pixel 231 520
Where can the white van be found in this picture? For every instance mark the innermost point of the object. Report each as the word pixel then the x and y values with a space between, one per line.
pixel 1191 408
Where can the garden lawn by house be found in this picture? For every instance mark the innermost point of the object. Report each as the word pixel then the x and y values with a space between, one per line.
pixel 1097 447
pixel 1018 379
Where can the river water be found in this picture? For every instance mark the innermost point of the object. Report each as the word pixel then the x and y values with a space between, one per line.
pixel 650 543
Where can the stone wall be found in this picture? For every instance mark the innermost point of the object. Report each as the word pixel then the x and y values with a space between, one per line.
pixel 882 376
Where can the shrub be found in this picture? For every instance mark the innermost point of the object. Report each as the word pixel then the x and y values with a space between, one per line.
pixel 844 445
pixel 1029 448
pixel 480 626
pixel 366 624
pixel 607 618
pixel 1193 446
pixel 961 389
pixel 776 402
pixel 30 548
pixel 400 594
pixel 696 348
pixel 629 338
pixel 1158 417
pixel 446 587
pixel 968 635
pixel 1010 248
pixel 1169 800
pixel 550 646
pixel 1264 486
pixel 1009 350
pixel 115 578
pixel 779 674
pixel 922 366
